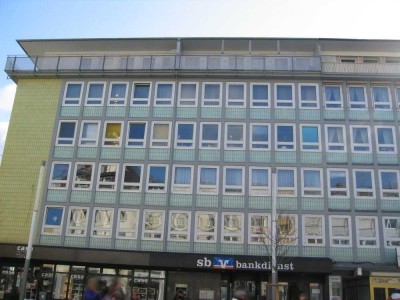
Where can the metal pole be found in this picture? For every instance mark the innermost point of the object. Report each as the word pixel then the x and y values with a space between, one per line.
pixel 274 276
pixel 32 232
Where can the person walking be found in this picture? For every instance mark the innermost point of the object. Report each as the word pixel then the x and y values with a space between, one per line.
pixel 91 290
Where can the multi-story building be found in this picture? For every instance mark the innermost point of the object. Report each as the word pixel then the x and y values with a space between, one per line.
pixel 159 163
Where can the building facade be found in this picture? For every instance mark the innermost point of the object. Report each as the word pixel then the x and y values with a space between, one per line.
pixel 160 155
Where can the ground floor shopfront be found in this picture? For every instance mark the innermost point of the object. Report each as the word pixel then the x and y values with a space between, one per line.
pixel 60 273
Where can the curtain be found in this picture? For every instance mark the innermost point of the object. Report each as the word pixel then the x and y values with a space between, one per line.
pixel 185 131
pixel 235 132
pixel 90 130
pixel 357 94
pixel 340 227
pixel 208 176
pixel 312 179
pixel 188 91
pixel 310 134
pixel 335 135
pixel 113 131
pixel 308 92
pixel 389 180
pixel 127 219
pixel 332 93
pixel 259 177
pixel 313 226
pixel 285 134
pixel 360 135
pixel 74 90
pixel 157 175
pixel 285 178
pixel 260 133
pixel 338 179
pixel 136 131
pixel 103 218
pixel 363 180
pixel 164 91
pixel 141 91
pixel 160 131
pixel 385 136
pixel 78 217
pixel 236 91
pixel 67 130
pixel 211 91
pixel 260 92
pixel 284 92
pixel 210 132
pixel 182 175
pixel 233 176
pixel 96 91
pixel 380 94
pixel 118 91
pixel 366 227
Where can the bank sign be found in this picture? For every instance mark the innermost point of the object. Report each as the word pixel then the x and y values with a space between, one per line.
pixel 229 263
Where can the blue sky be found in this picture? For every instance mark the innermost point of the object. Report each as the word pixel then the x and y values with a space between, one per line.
pixel 30 19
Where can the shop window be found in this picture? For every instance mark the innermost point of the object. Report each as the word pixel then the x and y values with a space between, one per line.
pixel 89 133
pixel 141 93
pixel 235 136
pixel 107 178
pixel 312 183
pixel 77 221
pixel 284 96
pixel 360 139
pixel 287 230
pixel 313 230
pixel 95 94
pixel 161 135
pixel 59 175
pixel 212 94
pixel 66 133
pixel 102 222
pixel 389 184
pixel 209 135
pixel 133 175
pixel 61 283
pixel 391 232
pixel 386 139
pixel 309 96
pixel 136 137
pixel 338 183
pixel 333 97
pixel 260 95
pixel 286 182
pixel 381 97
pixel 53 220
pixel 232 229
pixel 259 181
pixel 183 179
pixel 188 94
pixel 112 134
pixel 357 97
pixel 73 93
pixel 206 227
pixel 118 93
pixel 285 138
pixel 335 138
pixel 157 178
pixel 164 94
pixel 83 176
pixel 363 181
pixel 179 226
pixel 259 229
pixel 310 137
pixel 367 232
pixel 208 180
pixel 233 180
pixel 260 134
pixel 127 223
pixel 153 225
pixel 236 94
pixel 185 135
pixel 340 231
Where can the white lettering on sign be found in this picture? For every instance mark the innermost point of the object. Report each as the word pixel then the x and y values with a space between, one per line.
pixel 77 277
pixel 204 262
pixel 47 275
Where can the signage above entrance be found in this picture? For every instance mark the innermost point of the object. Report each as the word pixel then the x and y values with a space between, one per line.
pixel 229 263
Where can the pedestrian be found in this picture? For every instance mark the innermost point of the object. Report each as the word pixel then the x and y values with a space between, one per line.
pixel 302 296
pixel 115 291
pixel 91 290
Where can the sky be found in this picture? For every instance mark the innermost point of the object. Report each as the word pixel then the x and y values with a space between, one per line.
pixel 40 19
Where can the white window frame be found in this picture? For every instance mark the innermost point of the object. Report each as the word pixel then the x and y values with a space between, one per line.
pixel 267 144
pixel 170 224
pixel 360 243
pixel 108 140
pixel 233 235
pixel 148 184
pixel 51 181
pixel 78 100
pixel 225 186
pixel 340 239
pixel 304 102
pixel 257 190
pixel 69 227
pixel 285 144
pixel 285 189
pixel 294 236
pixel 238 103
pixel 152 232
pixel 320 189
pixel 170 100
pixel 241 144
pixel 360 190
pixel 328 144
pixel 101 100
pixel 93 227
pixel 152 140
pixel 391 236
pixel 180 99
pixel 217 142
pixel 314 240
pixel 72 140
pixel 267 101
pixel 204 102
pixel 394 145
pixel 382 191
pixel 354 145
pixel 262 237
pixel 90 183
pixel 81 139
pixel 119 101
pixel 115 183
pixel 213 234
pixel 357 103
pixel 128 140
pixel 308 143
pixel 133 99
pixel 340 93
pixel 330 189
pixel 292 101
pixel 182 188
pixel 134 231
pixel 210 189
pixel 377 104
pixel 177 140
pixel 138 185
pixel 45 226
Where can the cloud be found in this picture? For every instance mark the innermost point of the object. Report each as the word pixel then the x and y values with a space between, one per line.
pixel 3 134
pixel 7 94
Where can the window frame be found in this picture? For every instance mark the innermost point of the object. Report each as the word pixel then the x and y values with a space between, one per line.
pixel 356 102
pixel 90 183
pixel 294 189
pixel 252 100
pixel 328 144
pixel 394 145
pixel 321 180
pixel 99 182
pixel 240 234
pixel 308 237
pixel 133 99
pixel 359 245
pixel 382 190
pixel 165 185
pixel 101 103
pixel 79 100
pixel 81 139
pixel 72 140
pixel 341 238
pixel 152 140
pixel 204 100
pixel 119 140
pixel 85 229
pixel 255 190
pixel 180 99
pixel 225 186
pixel 330 189
pixel 186 188
pixel 134 231
pixel 162 225
pixel 67 181
pixel 93 228
pixel 318 144
pixel 363 190
pixel 268 143
pixel 226 140
pixel 292 101
pixel 128 140
pixel 397 95
pixel 58 227
pixel 171 99
pixel 316 101
pixel 199 186
pixel 340 94
pixel 193 140
pixel 259 236
pixel 218 141
pixel 188 230
pixel 353 145
pixel 389 103
pixel 214 234
pixel 139 185
pixel 237 101
pixel 122 100
pixel 286 144
pixel 388 236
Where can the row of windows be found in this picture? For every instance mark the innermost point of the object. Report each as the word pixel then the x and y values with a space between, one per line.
pixel 182 182
pixel 236 95
pixel 234 136
pixel 232 226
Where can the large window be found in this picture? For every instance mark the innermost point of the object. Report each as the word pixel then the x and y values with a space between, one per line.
pixel 309 96
pixel 236 94
pixel 66 133
pixel 310 137
pixel 73 93
pixel 59 175
pixel 338 183
pixel 53 220
pixel 287 229
pixel 206 227
pixel 233 180
pixel 179 226
pixel 313 230
pixel 391 232
pixel 260 95
pixel 335 138
pixel 385 139
pixel 333 97
pixel 157 178
pixel 363 181
pixel 259 225
pixel 360 139
pixel 367 232
pixel 127 223
pixel 132 178
pixel 389 184
pixel 208 180
pixel 164 94
pixel 136 137
pixel 212 94
pixel 89 134
pixel 286 182
pixel 232 229
pixel 260 135
pixel 235 136
pixel 284 96
pixel 185 135
pixel 381 97
pixel 102 222
pixel 312 185
pixel 108 177
pixel 285 137
pixel 188 94
pixel 161 135
pixel 259 181
pixel 357 97
pixel 95 94
pixel 141 93
pixel 77 221
pixel 209 135
pixel 182 179
pixel 118 93
pixel 83 176
pixel 153 224
pixel 340 231
pixel 112 134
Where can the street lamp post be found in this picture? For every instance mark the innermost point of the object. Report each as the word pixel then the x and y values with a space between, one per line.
pixel 274 275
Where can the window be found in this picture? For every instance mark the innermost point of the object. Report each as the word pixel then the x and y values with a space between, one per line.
pixel 260 134
pixel 66 133
pixel 351 60
pixel 153 221
pixel 157 178
pixel 183 179
pixel 160 135
pixel 83 177
pixel 208 180
pixel 311 180
pixel 164 94
pixel 107 179
pixel 212 94
pixel 118 93
pixel 234 136
pixel 285 138
pixel 360 139
pixel 389 184
pixel 206 227
pixel 386 139
pixel 333 97
pixel 398 96
pixel 188 92
pixel 287 229
pixel 284 95
pixel 89 133
pixel 95 94
pixel 112 134
pixel 392 60
pixel 127 223
pixel 59 175
pixel 141 93
pixel 370 60
pixel 209 135
pixel 260 95
pixel 77 221
pixel 185 135
pixel 313 230
pixel 136 134
pixel 391 232
pixel 259 181
pixel 286 182
pixel 381 97
pixel 335 138
pixel 53 220
pixel 357 97
pixel 236 94
pixel 133 175
pixel 363 181
pixel 232 229
pixel 367 232
pixel 179 226
pixel 73 93
pixel 233 180
pixel 340 231
pixel 310 137
pixel 102 222
pixel 309 95
pixel 338 183
pixel 259 229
